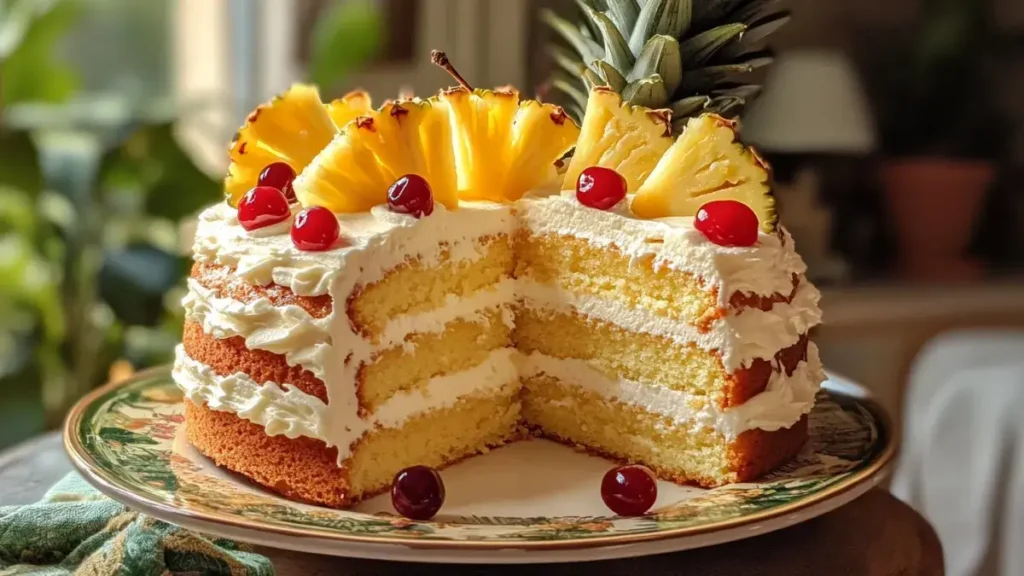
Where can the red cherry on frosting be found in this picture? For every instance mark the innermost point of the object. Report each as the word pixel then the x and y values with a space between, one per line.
pixel 262 206
pixel 599 187
pixel 728 223
pixel 629 490
pixel 278 175
pixel 417 492
pixel 411 194
pixel 315 229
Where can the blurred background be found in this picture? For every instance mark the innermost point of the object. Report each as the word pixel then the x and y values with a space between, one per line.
pixel 896 129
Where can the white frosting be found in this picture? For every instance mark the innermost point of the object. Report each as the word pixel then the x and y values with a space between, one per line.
pixel 293 413
pixel 378 241
pixel 764 269
pixel 740 337
pixel 781 404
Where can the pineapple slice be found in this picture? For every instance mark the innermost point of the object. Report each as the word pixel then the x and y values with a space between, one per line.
pixel 293 127
pixel 628 139
pixel 349 107
pixel 705 164
pixel 503 146
pixel 354 172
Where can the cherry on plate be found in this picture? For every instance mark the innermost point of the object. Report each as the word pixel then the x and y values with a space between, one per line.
pixel 629 490
pixel 417 492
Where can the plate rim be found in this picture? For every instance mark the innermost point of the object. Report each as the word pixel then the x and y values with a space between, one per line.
pixel 108 484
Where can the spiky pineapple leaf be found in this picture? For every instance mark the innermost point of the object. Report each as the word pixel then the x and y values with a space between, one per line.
pixel 623 13
pixel 589 28
pixel 689 106
pixel 660 56
pixel 708 13
pixel 591 79
pixel 649 92
pixel 755 36
pixel 704 79
pixel 612 77
pixel 616 49
pixel 754 10
pixel 726 106
pixel 669 17
pixel 700 48
pixel 744 91
pixel 587 48
pixel 570 89
pixel 566 60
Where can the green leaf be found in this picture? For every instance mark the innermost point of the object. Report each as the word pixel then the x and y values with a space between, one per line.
pixel 705 79
pixel 587 48
pixel 755 36
pixel 689 106
pixel 570 89
pixel 566 60
pixel 755 10
pixel 591 79
pixel 660 56
pixel 110 434
pixel 699 49
pixel 710 12
pixel 727 106
pixel 345 38
pixel 612 77
pixel 616 50
pixel 19 162
pixel 649 92
pixel 623 13
pixel 669 17
pixel 744 91
pixel 30 70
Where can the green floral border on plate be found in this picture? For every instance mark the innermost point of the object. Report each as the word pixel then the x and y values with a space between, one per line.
pixel 122 437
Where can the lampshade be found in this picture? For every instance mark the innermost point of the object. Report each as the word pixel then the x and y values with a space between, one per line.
pixel 813 103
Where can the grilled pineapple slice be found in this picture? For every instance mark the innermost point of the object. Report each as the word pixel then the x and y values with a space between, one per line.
pixel 706 163
pixel 354 172
pixel 504 147
pixel 293 127
pixel 628 139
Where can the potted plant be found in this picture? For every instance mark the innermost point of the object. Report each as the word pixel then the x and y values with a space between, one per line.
pixel 940 136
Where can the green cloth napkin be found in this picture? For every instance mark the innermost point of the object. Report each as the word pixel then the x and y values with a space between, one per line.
pixel 76 530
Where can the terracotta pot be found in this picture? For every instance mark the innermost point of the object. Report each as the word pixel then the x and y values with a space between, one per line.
pixel 934 203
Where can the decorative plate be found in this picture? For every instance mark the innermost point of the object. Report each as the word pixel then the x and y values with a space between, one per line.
pixel 532 501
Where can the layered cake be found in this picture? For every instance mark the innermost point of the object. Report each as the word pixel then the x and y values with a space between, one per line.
pixel 417 283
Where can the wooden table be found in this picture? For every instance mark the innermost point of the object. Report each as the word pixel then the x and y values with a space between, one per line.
pixel 874 535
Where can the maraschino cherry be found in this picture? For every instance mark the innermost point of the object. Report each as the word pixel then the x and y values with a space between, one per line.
pixel 629 490
pixel 278 175
pixel 417 492
pixel 728 223
pixel 315 229
pixel 262 206
pixel 411 194
pixel 600 187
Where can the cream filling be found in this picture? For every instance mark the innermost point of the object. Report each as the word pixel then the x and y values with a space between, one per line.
pixel 739 337
pixel 293 413
pixel 765 268
pixel 785 400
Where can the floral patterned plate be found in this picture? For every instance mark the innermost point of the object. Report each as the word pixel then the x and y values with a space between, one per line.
pixel 533 501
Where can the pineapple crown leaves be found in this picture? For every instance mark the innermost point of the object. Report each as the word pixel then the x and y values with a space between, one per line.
pixel 687 55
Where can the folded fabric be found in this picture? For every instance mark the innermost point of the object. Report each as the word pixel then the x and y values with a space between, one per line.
pixel 76 530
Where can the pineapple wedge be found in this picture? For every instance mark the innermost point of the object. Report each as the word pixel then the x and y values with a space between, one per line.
pixel 628 139
pixel 349 107
pixel 293 128
pixel 503 146
pixel 354 172
pixel 705 164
